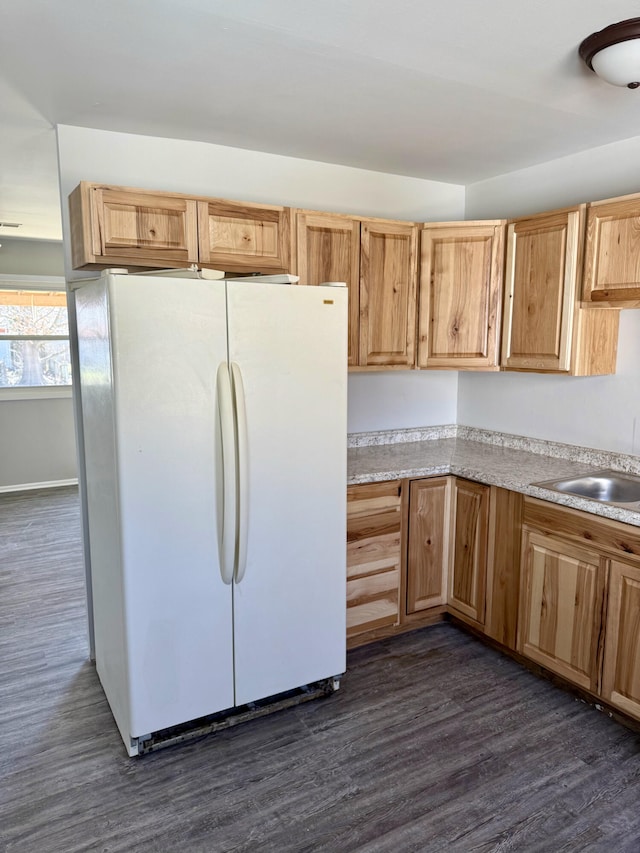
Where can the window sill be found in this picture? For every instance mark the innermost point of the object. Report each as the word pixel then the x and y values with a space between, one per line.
pixel 45 392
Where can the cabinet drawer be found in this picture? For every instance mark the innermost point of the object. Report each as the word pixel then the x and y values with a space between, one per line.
pixel 372 601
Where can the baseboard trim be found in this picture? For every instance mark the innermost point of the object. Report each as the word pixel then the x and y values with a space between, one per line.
pixel 50 484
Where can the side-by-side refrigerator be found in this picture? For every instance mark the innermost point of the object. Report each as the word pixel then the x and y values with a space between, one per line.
pixel 214 421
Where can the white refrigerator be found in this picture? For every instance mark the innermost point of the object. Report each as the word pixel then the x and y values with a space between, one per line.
pixel 214 422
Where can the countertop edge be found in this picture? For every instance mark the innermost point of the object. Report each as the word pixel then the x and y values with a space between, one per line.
pixel 447 465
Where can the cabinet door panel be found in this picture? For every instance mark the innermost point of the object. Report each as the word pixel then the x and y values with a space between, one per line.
pixel 503 565
pixel 240 237
pixel 467 576
pixel 621 671
pixel 460 290
pixel 328 249
pixel 612 260
pixel 428 543
pixel 561 603
pixel 388 276
pixel 543 263
pixel 144 227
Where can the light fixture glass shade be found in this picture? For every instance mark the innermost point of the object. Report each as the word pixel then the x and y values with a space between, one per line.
pixel 619 64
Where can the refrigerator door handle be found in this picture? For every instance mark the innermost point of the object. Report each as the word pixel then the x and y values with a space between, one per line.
pixel 243 471
pixel 227 517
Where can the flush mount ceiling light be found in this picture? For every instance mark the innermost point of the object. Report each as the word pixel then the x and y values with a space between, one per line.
pixel 614 53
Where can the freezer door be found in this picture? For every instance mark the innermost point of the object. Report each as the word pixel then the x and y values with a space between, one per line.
pixel 289 345
pixel 168 340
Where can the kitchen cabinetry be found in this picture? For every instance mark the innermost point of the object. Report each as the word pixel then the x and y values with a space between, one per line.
pixel 584 574
pixel 612 257
pixel 460 296
pixel 378 260
pixel 328 249
pixel 116 226
pixel 545 329
pixel 388 283
pixel 374 514
pixel 428 543
pixel 559 586
pixel 621 671
pixel 120 226
pixel 238 237
pixel 503 566
pixel 561 606
pixel 468 560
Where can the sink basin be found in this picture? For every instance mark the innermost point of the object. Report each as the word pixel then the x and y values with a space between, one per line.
pixel 606 486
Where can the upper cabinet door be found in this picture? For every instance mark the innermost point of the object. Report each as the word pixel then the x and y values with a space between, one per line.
pixel 328 249
pixel 122 227
pixel 542 268
pixel 460 295
pixel 388 278
pixel 612 258
pixel 238 237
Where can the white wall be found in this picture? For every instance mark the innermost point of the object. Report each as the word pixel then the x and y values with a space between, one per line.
pixel 30 257
pixel 597 173
pixel 38 442
pixel 603 411
pixel 376 401
pixel 37 435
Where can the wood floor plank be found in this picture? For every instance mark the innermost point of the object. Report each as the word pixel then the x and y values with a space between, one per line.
pixel 433 743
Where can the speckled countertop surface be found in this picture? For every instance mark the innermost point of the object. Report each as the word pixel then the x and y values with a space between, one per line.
pixel 489 461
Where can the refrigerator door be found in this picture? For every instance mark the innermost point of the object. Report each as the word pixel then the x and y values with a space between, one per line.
pixel 168 340
pixel 289 345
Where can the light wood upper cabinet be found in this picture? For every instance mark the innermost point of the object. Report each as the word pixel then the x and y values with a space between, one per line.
pixel 612 257
pixel 377 258
pixel 374 513
pixel 328 249
pixel 237 237
pixel 468 561
pixel 427 543
pixel 460 295
pixel 388 278
pixel 544 327
pixel 120 226
pixel 561 607
pixel 621 670
pixel 116 226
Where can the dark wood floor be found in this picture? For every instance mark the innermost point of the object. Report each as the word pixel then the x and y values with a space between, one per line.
pixel 434 742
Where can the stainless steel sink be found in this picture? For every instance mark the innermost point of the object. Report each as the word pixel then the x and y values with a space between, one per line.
pixel 607 486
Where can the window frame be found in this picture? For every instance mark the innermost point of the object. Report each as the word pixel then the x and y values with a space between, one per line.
pixel 36 392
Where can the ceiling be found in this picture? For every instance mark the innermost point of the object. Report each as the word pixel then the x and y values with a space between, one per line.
pixel 455 91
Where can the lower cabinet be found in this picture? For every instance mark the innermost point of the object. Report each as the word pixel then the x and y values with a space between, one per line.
pixel 580 601
pixel 503 566
pixel 561 604
pixel 560 586
pixel 621 671
pixel 468 561
pixel 427 543
pixel 374 513
pixel 447 547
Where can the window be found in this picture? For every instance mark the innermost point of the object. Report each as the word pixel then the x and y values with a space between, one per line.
pixel 34 337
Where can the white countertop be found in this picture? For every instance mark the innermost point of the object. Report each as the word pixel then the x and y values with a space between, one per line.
pixel 490 463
